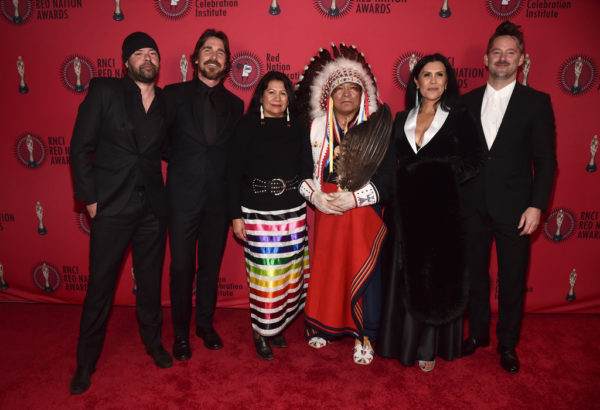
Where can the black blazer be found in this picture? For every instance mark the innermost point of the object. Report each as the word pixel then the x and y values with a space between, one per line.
pixel 518 170
pixel 104 153
pixel 196 175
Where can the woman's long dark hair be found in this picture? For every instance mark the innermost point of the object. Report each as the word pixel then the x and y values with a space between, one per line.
pixel 450 94
pixel 254 107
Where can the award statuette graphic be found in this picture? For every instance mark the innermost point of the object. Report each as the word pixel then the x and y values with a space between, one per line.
pixel 183 67
pixel 30 150
pixel 46 277
pixel 23 89
pixel 46 274
pixel 17 19
pixel 3 284
pixel 445 10
pixel 15 11
pixel 79 88
pixel 76 71
pixel 572 279
pixel 39 212
pixel 591 166
pixel 526 68
pixel 559 225
pixel 118 14
pixel 560 216
pixel 403 66
pixel 412 62
pixel 333 10
pixel 134 290
pixel 577 74
pixel 274 9
pixel 31 162
pixel 576 88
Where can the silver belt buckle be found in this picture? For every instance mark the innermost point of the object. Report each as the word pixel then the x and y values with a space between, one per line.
pixel 283 186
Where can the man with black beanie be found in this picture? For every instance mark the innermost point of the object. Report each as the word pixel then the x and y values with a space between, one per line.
pixel 116 163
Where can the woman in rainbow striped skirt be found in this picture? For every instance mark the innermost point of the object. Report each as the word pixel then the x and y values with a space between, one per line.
pixel 270 156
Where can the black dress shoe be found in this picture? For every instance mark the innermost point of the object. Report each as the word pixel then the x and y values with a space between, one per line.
pixel 278 341
pixel 509 359
pixel 181 349
pixel 82 379
pixel 211 339
pixel 161 357
pixel 471 344
pixel 262 348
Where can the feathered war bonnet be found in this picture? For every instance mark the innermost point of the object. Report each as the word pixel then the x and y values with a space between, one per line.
pixel 364 146
pixel 325 72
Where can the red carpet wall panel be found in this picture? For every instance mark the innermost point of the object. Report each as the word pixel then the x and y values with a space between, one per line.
pixel 52 48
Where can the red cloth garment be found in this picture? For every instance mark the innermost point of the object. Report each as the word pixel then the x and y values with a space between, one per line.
pixel 346 250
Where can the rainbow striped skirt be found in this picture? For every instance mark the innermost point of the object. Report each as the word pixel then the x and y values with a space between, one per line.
pixel 277 266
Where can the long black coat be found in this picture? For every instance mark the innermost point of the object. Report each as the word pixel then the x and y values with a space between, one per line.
pixel 428 275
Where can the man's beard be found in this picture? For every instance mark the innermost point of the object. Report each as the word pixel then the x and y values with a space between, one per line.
pixel 146 73
pixel 213 74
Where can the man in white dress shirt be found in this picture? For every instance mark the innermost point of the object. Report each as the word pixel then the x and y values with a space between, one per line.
pixel 506 199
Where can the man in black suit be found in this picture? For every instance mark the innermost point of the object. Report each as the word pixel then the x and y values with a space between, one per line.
pixel 506 199
pixel 116 163
pixel 202 117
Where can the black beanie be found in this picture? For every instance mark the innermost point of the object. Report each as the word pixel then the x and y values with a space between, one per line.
pixel 135 41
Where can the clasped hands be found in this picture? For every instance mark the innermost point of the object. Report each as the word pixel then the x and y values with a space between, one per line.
pixel 334 203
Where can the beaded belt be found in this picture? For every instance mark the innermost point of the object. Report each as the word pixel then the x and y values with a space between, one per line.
pixel 275 186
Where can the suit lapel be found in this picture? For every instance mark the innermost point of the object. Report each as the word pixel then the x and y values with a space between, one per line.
pixel 476 111
pixel 510 115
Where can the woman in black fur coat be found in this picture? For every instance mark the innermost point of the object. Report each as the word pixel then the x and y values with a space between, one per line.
pixel 438 149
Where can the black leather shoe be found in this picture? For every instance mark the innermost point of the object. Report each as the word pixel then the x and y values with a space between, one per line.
pixel 82 379
pixel 278 341
pixel 509 359
pixel 471 344
pixel 211 339
pixel 161 357
pixel 262 348
pixel 181 349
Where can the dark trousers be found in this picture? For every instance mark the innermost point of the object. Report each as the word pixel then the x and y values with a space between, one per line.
pixel 192 233
pixel 513 260
pixel 110 237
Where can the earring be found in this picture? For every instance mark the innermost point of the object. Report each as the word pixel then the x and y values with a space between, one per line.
pixel 417 97
pixel 288 115
pixel 262 115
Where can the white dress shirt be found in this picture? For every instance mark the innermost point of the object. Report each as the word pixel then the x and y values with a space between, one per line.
pixel 493 108
pixel 410 126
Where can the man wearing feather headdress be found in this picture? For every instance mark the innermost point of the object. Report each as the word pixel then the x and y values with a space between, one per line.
pixel 352 174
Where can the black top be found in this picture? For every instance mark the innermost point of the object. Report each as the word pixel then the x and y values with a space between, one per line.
pixel 268 151
pixel 146 125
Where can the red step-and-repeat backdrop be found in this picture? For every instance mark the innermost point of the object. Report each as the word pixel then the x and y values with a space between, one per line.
pixel 52 48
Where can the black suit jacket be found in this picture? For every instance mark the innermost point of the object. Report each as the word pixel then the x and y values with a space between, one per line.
pixel 196 175
pixel 518 170
pixel 104 153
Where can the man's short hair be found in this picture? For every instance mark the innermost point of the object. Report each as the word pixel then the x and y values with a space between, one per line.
pixel 211 32
pixel 507 29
